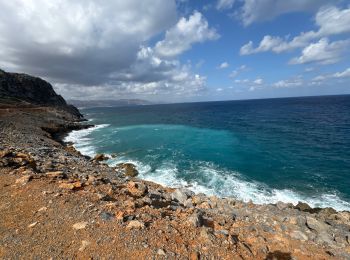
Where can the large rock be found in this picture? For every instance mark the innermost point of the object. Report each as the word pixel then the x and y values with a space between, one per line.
pixel 128 169
pixel 181 195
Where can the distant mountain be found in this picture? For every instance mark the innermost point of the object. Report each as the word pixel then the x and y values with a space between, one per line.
pixel 22 90
pixel 110 103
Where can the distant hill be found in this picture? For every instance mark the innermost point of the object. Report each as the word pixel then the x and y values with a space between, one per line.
pixel 22 90
pixel 110 103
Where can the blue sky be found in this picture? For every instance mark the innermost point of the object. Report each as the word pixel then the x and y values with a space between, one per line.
pixel 185 50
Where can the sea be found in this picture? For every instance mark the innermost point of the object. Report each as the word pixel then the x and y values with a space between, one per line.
pixel 264 151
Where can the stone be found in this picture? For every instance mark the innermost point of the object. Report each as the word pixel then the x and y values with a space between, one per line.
pixel 137 189
pixel 135 224
pixel 281 205
pixel 100 157
pixel 80 225
pixel 56 175
pixel 161 252
pixel 316 225
pixel 181 195
pixel 84 245
pixel 106 216
pixel 128 169
pixel 71 186
pixel 24 180
pixel 298 235
pixel 195 220
pixel 33 224
pixel 303 207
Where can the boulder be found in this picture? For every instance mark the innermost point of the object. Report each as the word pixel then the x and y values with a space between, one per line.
pixel 137 189
pixel 181 195
pixel 128 169
pixel 100 157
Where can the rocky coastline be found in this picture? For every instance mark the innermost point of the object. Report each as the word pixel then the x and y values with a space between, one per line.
pixel 56 203
pixel 138 219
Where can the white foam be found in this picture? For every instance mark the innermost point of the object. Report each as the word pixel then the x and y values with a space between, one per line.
pixel 80 140
pixel 211 179
pixel 224 184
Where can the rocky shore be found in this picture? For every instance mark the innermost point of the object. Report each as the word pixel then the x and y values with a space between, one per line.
pixel 56 203
pixel 59 204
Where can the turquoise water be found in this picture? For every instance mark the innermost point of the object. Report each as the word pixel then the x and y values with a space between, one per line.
pixel 289 150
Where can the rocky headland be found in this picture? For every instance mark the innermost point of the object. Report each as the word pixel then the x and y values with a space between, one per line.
pixel 56 203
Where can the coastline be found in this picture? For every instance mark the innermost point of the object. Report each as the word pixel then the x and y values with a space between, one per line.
pixel 196 226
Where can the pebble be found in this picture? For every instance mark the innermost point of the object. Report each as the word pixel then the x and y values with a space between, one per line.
pixel 80 225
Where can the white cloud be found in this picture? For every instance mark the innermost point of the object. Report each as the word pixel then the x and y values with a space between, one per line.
pixel 258 81
pixel 238 71
pixel 343 74
pixel 224 4
pixel 223 65
pixel 263 10
pixel 330 21
pixel 98 49
pixel 322 52
pixel 337 75
pixel 219 89
pixel 294 82
pixel 184 34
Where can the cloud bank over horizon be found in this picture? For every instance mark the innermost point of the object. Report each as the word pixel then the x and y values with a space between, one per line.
pixel 173 50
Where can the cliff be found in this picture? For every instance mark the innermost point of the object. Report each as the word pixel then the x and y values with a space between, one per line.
pixel 22 90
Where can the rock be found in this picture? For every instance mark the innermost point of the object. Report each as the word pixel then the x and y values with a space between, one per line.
pixel 194 256
pixel 298 235
pixel 71 186
pixel 80 225
pixel 206 235
pixel 316 225
pixel 56 175
pixel 281 205
pixel 137 189
pixel 100 157
pixel 161 252
pixel 181 195
pixel 24 180
pixel 303 207
pixel 128 169
pixel 106 216
pixel 42 209
pixel 33 224
pixel 135 224
pixel 195 220
pixel 84 245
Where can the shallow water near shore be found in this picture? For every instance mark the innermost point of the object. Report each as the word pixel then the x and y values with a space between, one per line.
pixel 290 150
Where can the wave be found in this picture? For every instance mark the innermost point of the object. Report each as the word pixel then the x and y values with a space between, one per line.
pixel 82 142
pixel 207 178
pixel 229 184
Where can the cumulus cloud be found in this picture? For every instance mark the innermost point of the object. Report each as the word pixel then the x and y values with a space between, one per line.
pixel 94 49
pixel 263 10
pixel 184 34
pixel 322 52
pixel 223 65
pixel 293 82
pixel 224 4
pixel 330 20
pixel 337 75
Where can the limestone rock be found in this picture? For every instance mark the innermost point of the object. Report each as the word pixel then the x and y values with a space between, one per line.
pixel 181 195
pixel 137 188
pixel 128 169
pixel 135 224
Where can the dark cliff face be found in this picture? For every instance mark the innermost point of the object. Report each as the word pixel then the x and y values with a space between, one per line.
pixel 21 88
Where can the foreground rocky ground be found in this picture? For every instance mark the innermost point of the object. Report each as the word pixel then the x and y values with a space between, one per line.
pixel 57 204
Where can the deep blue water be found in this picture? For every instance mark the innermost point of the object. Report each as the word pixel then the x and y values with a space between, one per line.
pixel 268 150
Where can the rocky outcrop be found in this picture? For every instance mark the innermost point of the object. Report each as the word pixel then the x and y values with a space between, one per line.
pixel 21 89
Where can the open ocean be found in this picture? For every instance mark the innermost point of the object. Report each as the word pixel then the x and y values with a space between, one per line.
pixel 288 149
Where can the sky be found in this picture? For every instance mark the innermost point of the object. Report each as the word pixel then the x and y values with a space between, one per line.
pixel 179 50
